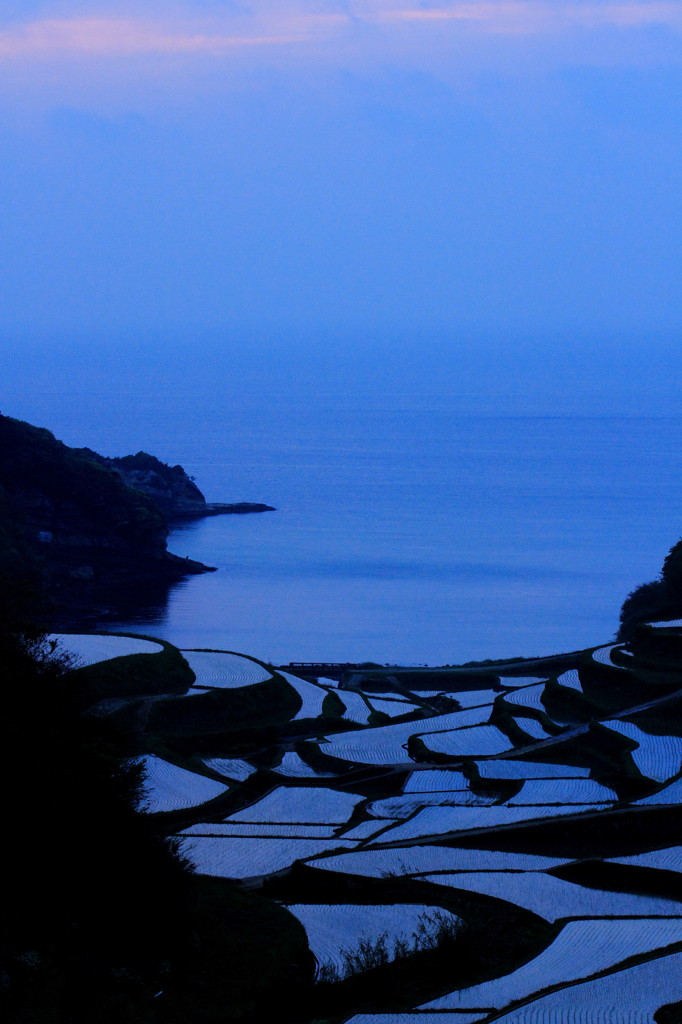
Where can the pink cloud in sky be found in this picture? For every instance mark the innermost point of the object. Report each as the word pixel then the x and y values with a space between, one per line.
pixel 532 15
pixel 126 36
pixel 182 31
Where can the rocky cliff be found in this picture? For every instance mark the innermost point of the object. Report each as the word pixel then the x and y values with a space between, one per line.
pixel 174 492
pixel 172 489
pixel 79 524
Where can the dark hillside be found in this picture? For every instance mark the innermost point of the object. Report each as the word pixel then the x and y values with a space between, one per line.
pixel 101 919
pixel 657 600
pixel 72 524
pixel 171 488
pixel 93 902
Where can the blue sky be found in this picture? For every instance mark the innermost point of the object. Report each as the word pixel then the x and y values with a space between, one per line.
pixel 341 169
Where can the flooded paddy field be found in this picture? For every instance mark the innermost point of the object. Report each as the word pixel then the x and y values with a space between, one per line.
pixel 394 827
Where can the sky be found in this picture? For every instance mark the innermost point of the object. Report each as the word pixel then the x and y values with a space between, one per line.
pixel 320 172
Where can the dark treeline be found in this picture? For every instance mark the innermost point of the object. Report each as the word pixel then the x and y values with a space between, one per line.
pixel 101 917
pixel 659 599
pixel 71 524
pixel 94 904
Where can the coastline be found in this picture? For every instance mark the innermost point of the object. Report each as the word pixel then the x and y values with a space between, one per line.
pixel 219 508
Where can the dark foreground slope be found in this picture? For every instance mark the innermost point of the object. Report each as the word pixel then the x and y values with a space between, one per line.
pixel 101 918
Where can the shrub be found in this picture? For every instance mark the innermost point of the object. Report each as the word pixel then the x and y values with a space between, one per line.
pixel 434 931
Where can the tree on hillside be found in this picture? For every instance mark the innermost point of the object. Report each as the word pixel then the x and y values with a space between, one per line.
pixel 660 599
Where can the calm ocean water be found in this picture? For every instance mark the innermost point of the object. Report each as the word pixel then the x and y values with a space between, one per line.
pixel 414 536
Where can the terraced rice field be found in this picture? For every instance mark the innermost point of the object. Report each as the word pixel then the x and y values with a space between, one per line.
pixel 232 857
pixel 474 698
pixel 453 694
pixel 669 859
pixel 415 1018
pixel 230 767
pixel 628 996
pixel 312 696
pixel 570 679
pixel 423 860
pixel 387 695
pixel 528 697
pixel 295 767
pixel 476 741
pixel 497 768
pixel 88 649
pixel 265 830
pixel 532 728
pixel 553 898
pixel 383 745
pixel 433 821
pixel 409 803
pixel 393 708
pixel 671 794
pixel 464 719
pixel 602 655
pixel 300 804
pixel 386 744
pixel 333 929
pixel 356 708
pixel 581 949
pixel 434 779
pixel 657 757
pixel 369 828
pixel 563 791
pixel 381 813
pixel 170 788
pixel 219 670
pixel 512 681
pixel 356 750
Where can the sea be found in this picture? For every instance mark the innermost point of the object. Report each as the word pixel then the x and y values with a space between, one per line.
pixel 416 533
pixel 421 538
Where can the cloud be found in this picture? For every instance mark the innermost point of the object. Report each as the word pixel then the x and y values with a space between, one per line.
pixel 533 15
pixel 218 29
pixel 122 37
pixel 120 34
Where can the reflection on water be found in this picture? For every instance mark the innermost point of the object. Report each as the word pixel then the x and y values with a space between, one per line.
pixel 145 603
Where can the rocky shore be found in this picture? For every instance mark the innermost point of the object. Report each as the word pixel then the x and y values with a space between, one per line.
pixel 217 508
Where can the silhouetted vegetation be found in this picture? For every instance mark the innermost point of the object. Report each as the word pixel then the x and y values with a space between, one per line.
pixel 101 916
pixel 94 903
pixel 240 709
pixel 165 672
pixel 437 959
pixel 35 466
pixel 69 523
pixel 658 600
pixel 166 484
